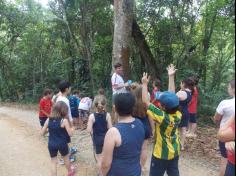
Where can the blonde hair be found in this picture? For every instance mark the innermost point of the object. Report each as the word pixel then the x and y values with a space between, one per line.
pixel 139 109
pixel 59 110
pixel 100 103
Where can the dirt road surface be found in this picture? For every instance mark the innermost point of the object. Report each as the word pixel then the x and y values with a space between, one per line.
pixel 24 151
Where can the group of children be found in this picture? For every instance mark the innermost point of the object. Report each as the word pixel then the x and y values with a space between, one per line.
pixel 121 148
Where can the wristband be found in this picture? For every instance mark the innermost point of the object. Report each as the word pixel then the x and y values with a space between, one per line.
pixel 129 82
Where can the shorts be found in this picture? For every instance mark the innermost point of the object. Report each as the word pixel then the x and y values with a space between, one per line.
pixel 223 150
pixel 159 167
pixel 42 121
pixel 147 127
pixel 184 122
pixel 193 118
pixel 230 170
pixel 64 150
pixel 83 114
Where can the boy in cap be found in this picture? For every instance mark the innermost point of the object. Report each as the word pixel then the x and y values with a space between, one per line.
pixel 167 118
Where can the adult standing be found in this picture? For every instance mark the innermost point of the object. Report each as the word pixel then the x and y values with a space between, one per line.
pixel 118 83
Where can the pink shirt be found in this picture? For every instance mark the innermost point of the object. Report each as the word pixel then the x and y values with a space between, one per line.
pixel 231 156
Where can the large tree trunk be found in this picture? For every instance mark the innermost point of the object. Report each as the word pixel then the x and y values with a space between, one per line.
pixel 123 19
pixel 145 52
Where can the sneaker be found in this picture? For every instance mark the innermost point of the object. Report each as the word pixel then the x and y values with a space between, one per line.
pixel 61 162
pixel 73 150
pixel 72 159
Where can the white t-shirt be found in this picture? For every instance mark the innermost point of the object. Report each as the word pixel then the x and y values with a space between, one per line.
pixel 85 104
pixel 66 101
pixel 227 109
pixel 117 80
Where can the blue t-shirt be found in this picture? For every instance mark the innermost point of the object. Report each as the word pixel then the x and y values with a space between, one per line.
pixel 74 106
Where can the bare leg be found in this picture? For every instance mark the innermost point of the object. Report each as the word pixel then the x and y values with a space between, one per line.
pixel 99 158
pixel 223 165
pixel 67 162
pixel 144 154
pixel 193 128
pixel 183 132
pixel 54 166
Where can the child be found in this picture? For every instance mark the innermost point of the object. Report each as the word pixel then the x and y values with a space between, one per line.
pixel 59 136
pixel 156 85
pixel 140 112
pixel 98 125
pixel 192 108
pixel 123 142
pixel 65 89
pixel 74 108
pixel 224 111
pixel 84 108
pixel 45 106
pixel 227 134
pixel 167 117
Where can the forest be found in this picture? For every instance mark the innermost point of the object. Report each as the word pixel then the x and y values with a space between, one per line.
pixel 74 39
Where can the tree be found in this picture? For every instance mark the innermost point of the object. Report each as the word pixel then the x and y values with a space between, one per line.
pixel 123 20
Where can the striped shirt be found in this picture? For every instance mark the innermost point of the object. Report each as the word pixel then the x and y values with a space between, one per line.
pixel 167 145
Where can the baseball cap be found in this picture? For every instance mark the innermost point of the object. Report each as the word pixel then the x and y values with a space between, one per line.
pixel 168 99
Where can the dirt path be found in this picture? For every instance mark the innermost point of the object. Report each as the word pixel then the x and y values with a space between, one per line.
pixel 24 152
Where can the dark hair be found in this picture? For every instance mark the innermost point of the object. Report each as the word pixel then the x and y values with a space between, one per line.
pixel 117 65
pixel 172 111
pixel 75 92
pixel 157 83
pixel 124 103
pixel 195 79
pixel 63 85
pixel 47 92
pixel 232 83
pixel 101 91
pixel 189 84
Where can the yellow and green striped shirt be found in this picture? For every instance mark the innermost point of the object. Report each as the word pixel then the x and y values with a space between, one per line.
pixel 167 145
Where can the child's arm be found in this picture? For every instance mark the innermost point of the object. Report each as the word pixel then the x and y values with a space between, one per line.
pixel 171 73
pixel 90 123
pixel 226 133
pixel 145 81
pixel 111 140
pixel 109 122
pixel 67 126
pixel 45 128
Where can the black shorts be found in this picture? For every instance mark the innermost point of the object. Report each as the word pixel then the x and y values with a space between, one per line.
pixel 193 118
pixel 53 151
pixel 42 121
pixel 223 150
pixel 184 122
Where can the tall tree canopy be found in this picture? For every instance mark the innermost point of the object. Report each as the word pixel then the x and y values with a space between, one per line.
pixel 73 39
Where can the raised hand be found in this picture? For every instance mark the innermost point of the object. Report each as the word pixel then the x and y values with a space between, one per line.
pixel 171 70
pixel 146 78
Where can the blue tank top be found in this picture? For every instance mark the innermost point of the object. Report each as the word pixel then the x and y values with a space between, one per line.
pixel 99 128
pixel 126 158
pixel 57 136
pixel 184 104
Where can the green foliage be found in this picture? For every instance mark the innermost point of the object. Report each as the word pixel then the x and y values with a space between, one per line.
pixel 72 39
